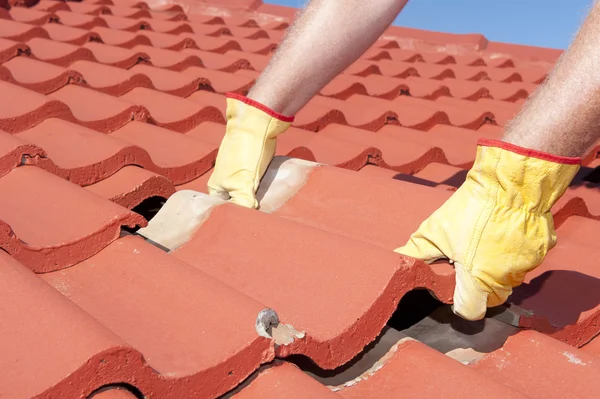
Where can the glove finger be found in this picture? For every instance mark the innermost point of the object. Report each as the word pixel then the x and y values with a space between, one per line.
pixel 470 301
pixel 421 247
pixel 220 194
pixel 244 197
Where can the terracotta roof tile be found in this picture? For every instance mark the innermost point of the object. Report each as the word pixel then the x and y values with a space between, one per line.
pixel 31 16
pixel 82 21
pixel 521 362
pixel 223 363
pixel 88 157
pixel 220 62
pixel 89 342
pixel 13 150
pixel 97 110
pixel 132 185
pixel 170 111
pixel 221 82
pixel 561 276
pixel 169 59
pixel 10 49
pixel 19 31
pixel 38 75
pixel 68 34
pixel 176 156
pixel 88 223
pixel 324 338
pixel 284 379
pixel 62 54
pixel 25 108
pixel 113 110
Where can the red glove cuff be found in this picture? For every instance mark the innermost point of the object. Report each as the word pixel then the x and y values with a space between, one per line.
pixel 529 153
pixel 260 106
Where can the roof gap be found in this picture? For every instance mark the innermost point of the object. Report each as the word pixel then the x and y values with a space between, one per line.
pixel 149 207
pixel 118 387
pixel 593 176
pixel 421 317
pixel 415 306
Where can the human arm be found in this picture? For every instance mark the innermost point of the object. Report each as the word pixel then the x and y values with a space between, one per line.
pixel 327 36
pixel 498 225
pixel 325 39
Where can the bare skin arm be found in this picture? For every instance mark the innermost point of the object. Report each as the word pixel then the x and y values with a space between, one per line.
pixel 325 39
pixel 563 116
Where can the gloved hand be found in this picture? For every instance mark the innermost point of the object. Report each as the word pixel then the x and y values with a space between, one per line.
pixel 246 150
pixel 497 226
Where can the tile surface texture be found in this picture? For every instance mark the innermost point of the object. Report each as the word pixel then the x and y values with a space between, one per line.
pixel 113 110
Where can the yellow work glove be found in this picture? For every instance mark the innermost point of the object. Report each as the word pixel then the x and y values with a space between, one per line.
pixel 246 151
pixel 497 226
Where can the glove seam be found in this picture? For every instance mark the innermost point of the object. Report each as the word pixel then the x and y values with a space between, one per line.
pixel 527 152
pixel 262 153
pixel 490 203
pixel 261 107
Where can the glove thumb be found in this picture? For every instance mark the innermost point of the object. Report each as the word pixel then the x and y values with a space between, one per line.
pixel 470 301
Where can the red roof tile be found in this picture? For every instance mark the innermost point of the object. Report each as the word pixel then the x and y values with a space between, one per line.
pixel 111 107
pixel 333 335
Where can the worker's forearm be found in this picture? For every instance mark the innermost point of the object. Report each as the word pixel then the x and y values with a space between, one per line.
pixel 563 116
pixel 325 39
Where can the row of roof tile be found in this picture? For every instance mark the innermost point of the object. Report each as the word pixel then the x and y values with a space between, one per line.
pixel 109 104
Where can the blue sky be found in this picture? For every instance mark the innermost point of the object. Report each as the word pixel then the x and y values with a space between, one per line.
pixel 545 23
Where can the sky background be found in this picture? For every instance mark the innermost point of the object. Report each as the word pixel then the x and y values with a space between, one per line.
pixel 545 23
